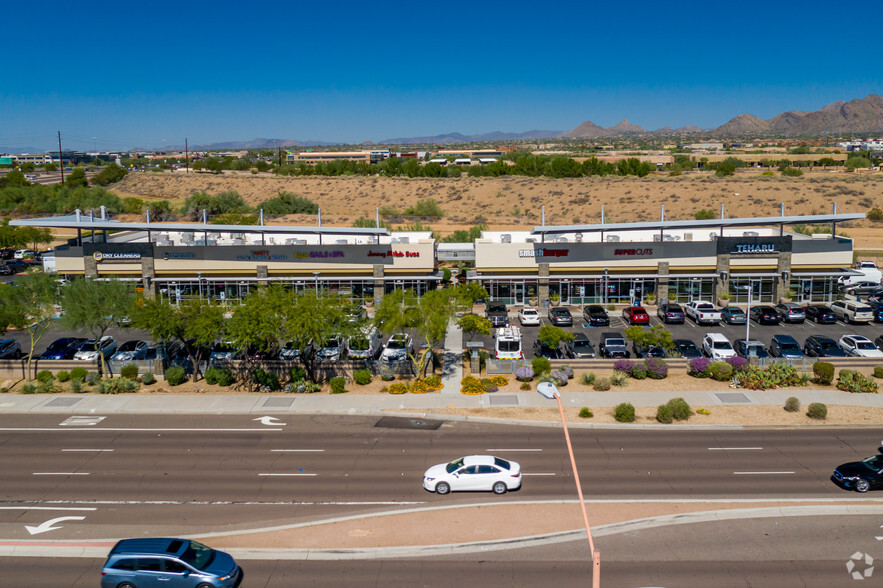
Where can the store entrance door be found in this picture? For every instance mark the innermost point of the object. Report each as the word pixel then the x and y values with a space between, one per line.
pixel 565 293
pixel 518 293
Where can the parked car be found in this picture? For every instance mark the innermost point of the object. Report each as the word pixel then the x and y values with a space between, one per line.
pixel 687 349
pixel 560 317
pixel 852 312
pixel 540 349
pixel 333 350
pixel 671 313
pixel 579 347
pixel 733 315
pixel 877 308
pixel 10 349
pixel 820 314
pixel 702 312
pixel 863 288
pixel 131 351
pixel 859 346
pixel 860 476
pixel 820 346
pixel 765 315
pixel 648 351
pixel 785 346
pixel 6 253
pixel 791 312
pixel 174 563
pixel 750 348
pixel 397 348
pixel 30 253
pixel 15 266
pixel 595 316
pixel 224 352
pixel 529 316
pixel 289 352
pixel 717 346
pixel 89 350
pixel 474 473
pixel 635 315
pixel 876 295
pixel 263 352
pixel 613 346
pixel 496 312
pixel 63 348
pixel 366 344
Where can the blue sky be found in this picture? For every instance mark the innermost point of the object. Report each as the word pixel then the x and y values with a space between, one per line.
pixel 125 75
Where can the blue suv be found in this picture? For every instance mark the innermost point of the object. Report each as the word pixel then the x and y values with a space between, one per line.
pixel 172 563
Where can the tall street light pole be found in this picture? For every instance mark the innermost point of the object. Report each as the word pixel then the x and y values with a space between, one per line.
pixel 549 390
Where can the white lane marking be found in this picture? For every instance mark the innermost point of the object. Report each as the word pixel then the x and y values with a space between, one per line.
pixel 537 474
pixel 88 450
pixel 288 474
pixel 61 473
pixel 136 430
pixel 759 473
pixel 81 421
pixel 47 526
pixel 295 450
pixel 47 508
pixel 734 448
pixel 232 502
pixel 269 420
pixel 501 450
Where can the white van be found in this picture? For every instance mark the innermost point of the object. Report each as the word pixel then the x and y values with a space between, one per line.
pixel 508 344
pixel 365 345
pixel 852 312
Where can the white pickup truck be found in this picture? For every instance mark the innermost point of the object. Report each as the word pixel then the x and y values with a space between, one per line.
pixel 703 312
pixel 868 273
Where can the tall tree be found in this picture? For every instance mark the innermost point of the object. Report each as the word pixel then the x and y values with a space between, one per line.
pixel 30 305
pixel 310 320
pixel 257 323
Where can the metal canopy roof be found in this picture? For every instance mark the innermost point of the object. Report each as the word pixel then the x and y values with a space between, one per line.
pixel 91 224
pixel 699 224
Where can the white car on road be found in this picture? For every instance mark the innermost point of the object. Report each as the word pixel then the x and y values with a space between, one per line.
pixel 529 317
pixel 474 473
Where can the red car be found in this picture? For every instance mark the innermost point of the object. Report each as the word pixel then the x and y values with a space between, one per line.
pixel 636 315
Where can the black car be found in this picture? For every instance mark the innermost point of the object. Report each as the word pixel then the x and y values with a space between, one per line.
pixel 819 346
pixel 671 313
pixel 560 317
pixel 7 253
pixel 13 266
pixel 765 315
pixel 540 349
pixel 63 348
pixel 861 476
pixel 613 345
pixel 820 314
pixel 750 348
pixel 648 351
pixel 877 307
pixel 595 316
pixel 687 349
pixel 579 347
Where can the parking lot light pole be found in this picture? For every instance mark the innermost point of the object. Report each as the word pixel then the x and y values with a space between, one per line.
pixel 748 315
pixel 548 390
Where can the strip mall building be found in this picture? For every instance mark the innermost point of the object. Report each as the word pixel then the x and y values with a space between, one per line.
pixel 580 264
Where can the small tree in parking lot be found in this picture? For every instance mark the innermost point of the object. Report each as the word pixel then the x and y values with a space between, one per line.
pixel 29 305
pixel 472 325
pixel 553 336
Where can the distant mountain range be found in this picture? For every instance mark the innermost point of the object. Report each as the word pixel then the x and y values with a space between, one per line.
pixel 862 116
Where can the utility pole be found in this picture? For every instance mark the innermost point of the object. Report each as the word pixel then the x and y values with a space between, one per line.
pixel 279 151
pixel 186 156
pixel 60 159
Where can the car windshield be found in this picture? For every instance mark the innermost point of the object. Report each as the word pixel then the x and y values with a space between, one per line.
pixel 198 555
pixel 60 344
pixel 396 344
pixel 560 311
pixel 496 307
pixel 736 311
pixel 582 345
pixel 688 346
pixel 828 346
pixel 359 343
pixel 509 345
pixel 615 342
pixel 595 310
pixel 865 345
pixel 454 465
pixel 722 345
pixel 529 311
pixel 129 346
pixel 754 350
pixel 332 343
pixel 790 347
pixel 864 309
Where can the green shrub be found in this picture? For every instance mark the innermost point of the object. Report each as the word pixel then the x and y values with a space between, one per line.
pixel 703 411
pixel 792 172
pixel 618 378
pixel 398 388
pixel 878 371
pixel 792 404
pixel 664 414
pixel 29 388
pixel 130 371
pixel 817 411
pixel 338 385
pixel 721 371
pixel 63 376
pixel 118 386
pixel 824 372
pixel 297 373
pixel 44 376
pixel 76 386
pixel 79 373
pixel 362 377
pixel 585 413
pixel 387 375
pixel 220 376
pixel 774 376
pixel 639 372
pixel 602 384
pixel 587 379
pixel 175 376
pixel 855 382
pixel 525 385
pixel 624 413
pixel 541 365
pixel 680 410
pixel 92 378
pixel 148 378
pixel 266 379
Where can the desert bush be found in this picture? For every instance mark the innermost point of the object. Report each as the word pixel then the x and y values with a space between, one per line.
pixel 624 413
pixel 602 384
pixel 738 362
pixel 567 371
pixel 817 411
pixel 619 378
pixel 525 385
pixel 541 365
pixel 219 376
pixel 664 414
pixel 703 411
pixel 792 404
pixel 338 385
pixel 656 368
pixel 78 373
pixel 698 367
pixel 524 374
pixel 92 378
pixel 434 382
pixel 587 379
pixel 624 365
pixel 175 376
pixel 265 379
pixel 29 388
pixel 471 386
pixel 639 372
pixel 878 371
pixel 488 385
pixel 130 370
pixel 776 375
pixel 44 376
pixel 387 375
pixel 148 378
pixel 499 380
pixel 76 386
pixel 585 413
pixel 63 376
pixel 418 387
pixel 855 382
pixel 559 377
pixel 118 386
pixel 681 411
pixel 362 377
pixel 297 373
pixel 398 388
pixel 721 371
pixel 824 372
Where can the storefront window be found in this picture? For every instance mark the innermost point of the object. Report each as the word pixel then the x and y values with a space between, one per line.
pixel 762 290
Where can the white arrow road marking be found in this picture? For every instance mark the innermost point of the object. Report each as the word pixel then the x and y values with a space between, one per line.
pixel 268 420
pixel 47 526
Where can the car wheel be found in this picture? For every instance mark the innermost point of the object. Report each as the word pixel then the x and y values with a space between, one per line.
pixel 862 486
pixel 126 585
pixel 500 488
pixel 442 488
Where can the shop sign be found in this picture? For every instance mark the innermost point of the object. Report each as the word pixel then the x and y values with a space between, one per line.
pixel 754 245
pixel 393 253
pixel 755 248
pixel 261 255
pixel 166 255
pixel 543 252
pixel 633 252
pixel 117 256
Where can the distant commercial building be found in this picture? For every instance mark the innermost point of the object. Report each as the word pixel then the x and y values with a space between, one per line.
pixel 314 157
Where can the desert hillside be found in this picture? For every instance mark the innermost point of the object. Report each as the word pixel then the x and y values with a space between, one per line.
pixel 517 201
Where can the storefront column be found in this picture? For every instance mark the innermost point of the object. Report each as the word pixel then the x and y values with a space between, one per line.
pixel 722 282
pixel 543 284
pixel 90 266
pixel 379 287
pixel 148 274
pixel 262 275
pixel 783 281
pixel 662 282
